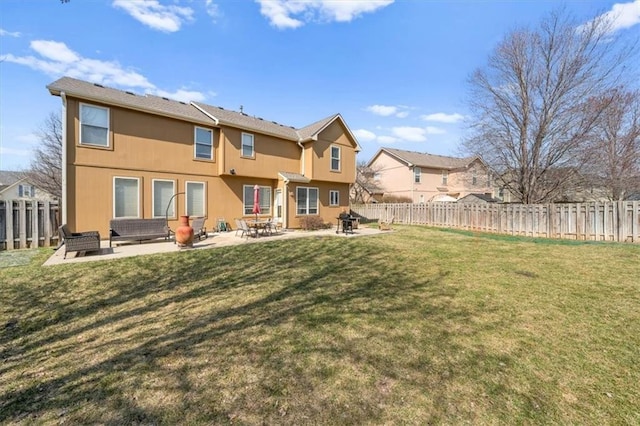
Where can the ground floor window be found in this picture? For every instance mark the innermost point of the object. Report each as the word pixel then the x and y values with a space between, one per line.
pixel 307 200
pixel 248 197
pixel 334 198
pixel 195 198
pixel 163 204
pixel 126 197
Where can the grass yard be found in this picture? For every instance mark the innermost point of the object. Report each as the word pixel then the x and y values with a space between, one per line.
pixel 416 326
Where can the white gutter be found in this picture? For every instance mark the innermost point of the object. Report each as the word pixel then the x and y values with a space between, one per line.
pixel 63 96
pixel 205 112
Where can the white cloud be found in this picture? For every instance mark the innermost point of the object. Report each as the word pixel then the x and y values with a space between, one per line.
pixel 295 13
pixel 181 95
pixel 431 130
pixel 388 110
pixel 154 15
pixel 56 59
pixel 387 139
pixel 13 151
pixel 442 117
pixel 364 135
pixel 9 33
pixel 212 9
pixel 623 15
pixel 411 134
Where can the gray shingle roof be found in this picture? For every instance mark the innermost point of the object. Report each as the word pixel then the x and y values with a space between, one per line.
pixel 8 178
pixel 186 111
pixel 294 177
pixel 429 160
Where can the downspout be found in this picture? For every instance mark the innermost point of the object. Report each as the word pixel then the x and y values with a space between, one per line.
pixel 285 204
pixel 63 96
pixel 302 162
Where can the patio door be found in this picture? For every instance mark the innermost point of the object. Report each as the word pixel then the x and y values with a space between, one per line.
pixel 277 206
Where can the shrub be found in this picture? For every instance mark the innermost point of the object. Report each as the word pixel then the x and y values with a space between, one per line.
pixel 311 223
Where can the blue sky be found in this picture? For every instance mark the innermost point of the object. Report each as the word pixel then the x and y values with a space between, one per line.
pixel 395 70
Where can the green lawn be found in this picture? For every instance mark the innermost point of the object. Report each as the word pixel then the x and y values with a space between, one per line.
pixel 413 327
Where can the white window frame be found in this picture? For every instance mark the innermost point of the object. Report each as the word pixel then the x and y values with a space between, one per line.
pixel 204 197
pixel 115 178
pixel 338 158
pixel 107 142
pixel 196 143
pixel 27 191
pixel 253 145
pixel 417 174
pixel 445 177
pixel 153 198
pixel 265 201
pixel 334 194
pixel 307 208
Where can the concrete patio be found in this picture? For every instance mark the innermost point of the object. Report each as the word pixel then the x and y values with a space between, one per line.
pixel 214 240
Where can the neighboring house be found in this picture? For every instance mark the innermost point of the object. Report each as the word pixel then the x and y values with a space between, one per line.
pixel 15 186
pixel 424 177
pixel 128 155
pixel 478 199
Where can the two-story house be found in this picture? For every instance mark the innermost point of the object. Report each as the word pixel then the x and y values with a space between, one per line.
pixel 424 177
pixel 17 186
pixel 143 156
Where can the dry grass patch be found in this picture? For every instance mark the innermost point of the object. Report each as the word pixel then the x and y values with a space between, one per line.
pixel 415 326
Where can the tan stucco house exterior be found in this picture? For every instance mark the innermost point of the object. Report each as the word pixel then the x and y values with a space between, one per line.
pixel 423 177
pixel 128 155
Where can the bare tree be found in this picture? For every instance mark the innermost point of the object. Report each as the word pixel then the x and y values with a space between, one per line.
pixel 365 183
pixel 529 113
pixel 45 170
pixel 613 149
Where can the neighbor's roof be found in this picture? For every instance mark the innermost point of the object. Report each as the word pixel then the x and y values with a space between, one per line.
pixel 189 111
pixel 426 160
pixel 8 178
pixel 482 197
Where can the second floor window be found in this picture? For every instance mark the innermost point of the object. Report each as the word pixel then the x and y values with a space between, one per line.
pixel 26 191
pixel 417 174
pixel 445 177
pixel 94 125
pixel 203 143
pixel 474 178
pixel 335 158
pixel 247 145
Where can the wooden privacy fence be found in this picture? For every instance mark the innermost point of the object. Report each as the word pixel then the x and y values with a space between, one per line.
pixel 28 224
pixel 595 221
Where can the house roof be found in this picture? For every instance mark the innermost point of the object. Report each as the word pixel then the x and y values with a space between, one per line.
pixel 482 197
pixel 9 178
pixel 420 159
pixel 294 177
pixel 193 111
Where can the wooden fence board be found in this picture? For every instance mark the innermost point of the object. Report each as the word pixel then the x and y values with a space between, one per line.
pixel 596 221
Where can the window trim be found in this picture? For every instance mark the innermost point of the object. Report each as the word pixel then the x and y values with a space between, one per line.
pixel 113 195
pixel 204 197
pixel 195 144
pixel 153 198
pixel 253 145
pixel 337 194
pixel 108 141
pixel 339 158
pixel 417 175
pixel 308 188
pixel 270 198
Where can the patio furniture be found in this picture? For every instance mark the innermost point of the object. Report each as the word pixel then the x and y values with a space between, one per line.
pixel 222 225
pixel 137 229
pixel 386 225
pixel 199 230
pixel 273 226
pixel 245 229
pixel 79 241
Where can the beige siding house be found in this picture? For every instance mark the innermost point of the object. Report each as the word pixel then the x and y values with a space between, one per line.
pixel 423 177
pixel 143 156
pixel 15 186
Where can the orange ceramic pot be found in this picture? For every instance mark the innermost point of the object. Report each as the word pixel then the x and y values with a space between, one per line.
pixel 184 232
